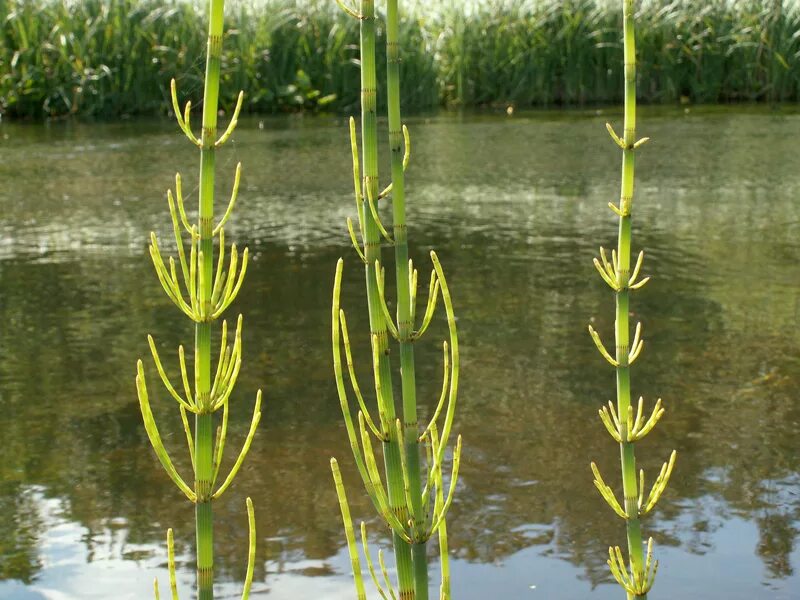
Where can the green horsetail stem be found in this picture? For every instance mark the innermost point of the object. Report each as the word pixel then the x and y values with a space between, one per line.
pixel 372 254
pixel 204 294
pixel 411 442
pixel 622 422
pixel 412 502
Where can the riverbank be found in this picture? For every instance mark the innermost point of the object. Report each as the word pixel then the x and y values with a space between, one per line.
pixel 111 58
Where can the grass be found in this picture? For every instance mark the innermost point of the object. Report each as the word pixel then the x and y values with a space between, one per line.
pixel 570 53
pixel 87 58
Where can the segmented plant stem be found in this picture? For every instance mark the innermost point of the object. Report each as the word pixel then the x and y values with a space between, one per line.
pixel 622 330
pixel 411 445
pixel 204 428
pixel 206 301
pixel 204 516
pixel 378 329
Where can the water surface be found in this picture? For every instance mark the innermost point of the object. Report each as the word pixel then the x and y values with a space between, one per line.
pixel 516 208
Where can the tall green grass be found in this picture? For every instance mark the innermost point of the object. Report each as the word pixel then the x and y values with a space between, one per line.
pixel 112 57
pixel 570 52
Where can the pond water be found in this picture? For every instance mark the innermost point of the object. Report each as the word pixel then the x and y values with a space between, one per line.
pixel 516 208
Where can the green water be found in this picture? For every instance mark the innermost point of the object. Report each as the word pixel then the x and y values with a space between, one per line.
pixel 516 208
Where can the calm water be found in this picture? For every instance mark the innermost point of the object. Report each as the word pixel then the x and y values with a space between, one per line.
pixel 516 208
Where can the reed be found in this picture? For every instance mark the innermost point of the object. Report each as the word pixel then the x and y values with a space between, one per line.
pixel 63 57
pixel 206 292
pixel 567 53
pixel 412 502
pixel 625 424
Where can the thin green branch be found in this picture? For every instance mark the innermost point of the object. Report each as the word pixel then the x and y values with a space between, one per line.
pixel 380 434
pixel 440 515
pixel 443 394
pixel 347 521
pixel 374 212
pixel 189 439
pixel 454 355
pixel 188 403
pixel 219 442
pixel 371 567
pixel 406 159
pixel 380 274
pixel 433 295
pixel 245 448
pixel 232 202
pixel 234 121
pixel 155 437
pixel 251 549
pixel 183 119
pixel 385 573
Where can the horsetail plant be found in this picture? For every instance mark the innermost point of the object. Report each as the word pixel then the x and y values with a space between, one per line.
pixel 623 423
pixel 208 293
pixel 412 503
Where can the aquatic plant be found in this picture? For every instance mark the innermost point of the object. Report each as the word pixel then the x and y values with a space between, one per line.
pixel 64 57
pixel 543 53
pixel 204 295
pixel 412 502
pixel 624 423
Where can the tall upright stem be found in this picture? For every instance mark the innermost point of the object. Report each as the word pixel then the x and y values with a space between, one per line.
pixel 205 298
pixel 622 329
pixel 378 329
pixel 411 445
pixel 204 428
pixel 623 423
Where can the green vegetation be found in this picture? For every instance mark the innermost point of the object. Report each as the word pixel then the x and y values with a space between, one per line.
pixel 569 52
pixel 623 423
pixel 86 58
pixel 412 503
pixel 208 293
